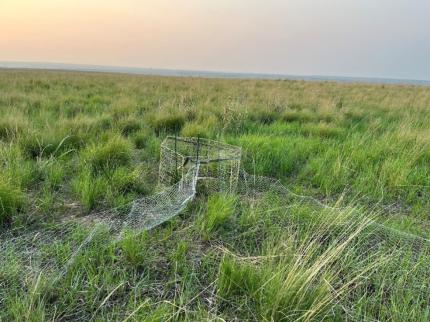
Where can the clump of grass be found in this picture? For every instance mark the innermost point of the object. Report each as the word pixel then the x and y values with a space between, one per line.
pixel 220 208
pixel 31 146
pixel 23 173
pixel 84 126
pixel 124 184
pixel 29 306
pixel 277 156
pixel 323 130
pixel 105 174
pixel 170 122
pixel 195 130
pixel 129 125
pixel 136 249
pixel 115 152
pixel 204 127
pixel 54 172
pixel 396 291
pixel 354 116
pixel 12 126
pixel 302 116
pixel 140 140
pixel 11 201
pixel 264 115
pixel 49 143
pixel 89 189
pixel 297 277
pixel 179 254
pixel 234 119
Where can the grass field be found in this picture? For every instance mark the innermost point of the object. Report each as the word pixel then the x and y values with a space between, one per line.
pixel 75 143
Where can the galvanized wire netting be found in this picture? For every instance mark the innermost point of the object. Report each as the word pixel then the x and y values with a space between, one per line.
pixel 183 161
pixel 184 164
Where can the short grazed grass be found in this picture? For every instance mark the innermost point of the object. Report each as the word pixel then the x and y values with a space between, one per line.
pixel 74 143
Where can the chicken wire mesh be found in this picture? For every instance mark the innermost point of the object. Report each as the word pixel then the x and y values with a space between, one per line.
pixel 185 163
pixel 219 162
pixel 29 250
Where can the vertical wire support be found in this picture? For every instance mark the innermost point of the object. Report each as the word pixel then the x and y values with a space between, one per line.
pixel 198 150
pixel 219 165
pixel 176 156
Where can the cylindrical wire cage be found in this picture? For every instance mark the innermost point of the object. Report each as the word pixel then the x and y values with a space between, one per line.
pixel 219 162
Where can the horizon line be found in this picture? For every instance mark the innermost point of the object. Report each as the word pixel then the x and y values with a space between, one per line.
pixel 155 71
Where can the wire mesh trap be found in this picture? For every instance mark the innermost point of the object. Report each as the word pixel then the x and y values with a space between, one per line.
pixel 184 164
pixel 219 162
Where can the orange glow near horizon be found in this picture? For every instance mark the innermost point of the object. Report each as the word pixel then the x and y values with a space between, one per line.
pixel 134 33
pixel 77 31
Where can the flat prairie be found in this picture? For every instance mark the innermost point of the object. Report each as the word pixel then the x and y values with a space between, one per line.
pixel 74 143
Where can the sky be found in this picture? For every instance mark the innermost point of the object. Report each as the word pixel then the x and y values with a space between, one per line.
pixel 357 38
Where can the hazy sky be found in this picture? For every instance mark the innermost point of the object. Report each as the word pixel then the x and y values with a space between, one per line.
pixel 371 38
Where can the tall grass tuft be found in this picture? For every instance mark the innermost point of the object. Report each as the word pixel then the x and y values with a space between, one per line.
pixel 12 126
pixel 116 152
pixel 298 278
pixel 89 189
pixel 220 208
pixel 11 201
pixel 170 122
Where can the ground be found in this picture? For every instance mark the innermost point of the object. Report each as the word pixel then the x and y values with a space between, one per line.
pixel 72 144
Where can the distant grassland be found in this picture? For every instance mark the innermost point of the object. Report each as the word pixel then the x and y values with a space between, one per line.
pixel 72 143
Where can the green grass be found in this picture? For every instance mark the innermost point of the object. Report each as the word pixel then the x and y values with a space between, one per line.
pixel 11 201
pixel 74 143
pixel 220 208
pixel 102 157
pixel 290 280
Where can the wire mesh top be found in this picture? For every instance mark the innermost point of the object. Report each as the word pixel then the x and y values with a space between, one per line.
pixel 205 150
